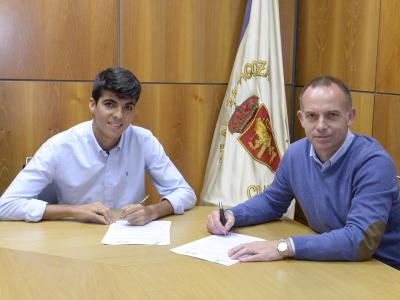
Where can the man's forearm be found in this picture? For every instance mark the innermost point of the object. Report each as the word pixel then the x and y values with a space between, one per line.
pixel 161 209
pixel 91 212
pixel 58 211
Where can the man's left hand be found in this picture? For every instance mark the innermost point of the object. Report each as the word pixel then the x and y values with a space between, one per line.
pixel 256 251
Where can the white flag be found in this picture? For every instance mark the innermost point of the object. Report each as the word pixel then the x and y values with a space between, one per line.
pixel 252 133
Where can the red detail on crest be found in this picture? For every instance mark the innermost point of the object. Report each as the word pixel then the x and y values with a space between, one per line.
pixel 259 141
pixel 243 114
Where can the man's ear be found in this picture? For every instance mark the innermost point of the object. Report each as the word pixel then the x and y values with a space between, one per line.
pixel 300 116
pixel 352 115
pixel 92 105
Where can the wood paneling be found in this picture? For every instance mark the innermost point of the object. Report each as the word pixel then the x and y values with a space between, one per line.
pixel 387 125
pixel 183 118
pixel 298 129
pixel 71 39
pixel 288 92
pixel 30 113
pixel 180 41
pixel 364 105
pixel 338 38
pixel 286 15
pixel 388 76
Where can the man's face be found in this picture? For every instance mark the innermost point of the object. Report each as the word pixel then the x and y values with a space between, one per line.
pixel 112 115
pixel 325 117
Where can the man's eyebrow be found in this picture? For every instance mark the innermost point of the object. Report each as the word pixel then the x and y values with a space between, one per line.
pixel 109 99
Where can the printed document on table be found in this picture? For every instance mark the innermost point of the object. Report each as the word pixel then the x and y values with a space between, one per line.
pixel 215 248
pixel 153 233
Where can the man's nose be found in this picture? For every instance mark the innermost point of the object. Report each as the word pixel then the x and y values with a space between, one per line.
pixel 118 113
pixel 322 123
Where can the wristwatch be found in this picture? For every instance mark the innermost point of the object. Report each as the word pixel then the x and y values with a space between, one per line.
pixel 283 248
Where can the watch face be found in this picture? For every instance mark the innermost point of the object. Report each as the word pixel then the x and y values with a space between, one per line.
pixel 282 246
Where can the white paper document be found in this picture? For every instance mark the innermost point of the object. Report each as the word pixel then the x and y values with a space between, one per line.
pixel 153 233
pixel 215 248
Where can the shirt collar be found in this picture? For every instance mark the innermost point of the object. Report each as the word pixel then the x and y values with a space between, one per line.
pixel 337 155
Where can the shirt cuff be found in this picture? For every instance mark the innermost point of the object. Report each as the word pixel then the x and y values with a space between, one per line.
pixel 292 244
pixel 34 210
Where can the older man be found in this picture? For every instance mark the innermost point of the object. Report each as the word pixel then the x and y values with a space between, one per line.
pixel 344 182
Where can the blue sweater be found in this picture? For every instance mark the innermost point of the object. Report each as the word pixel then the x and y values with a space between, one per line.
pixel 354 204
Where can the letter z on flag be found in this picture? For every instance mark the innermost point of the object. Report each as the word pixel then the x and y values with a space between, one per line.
pixel 252 133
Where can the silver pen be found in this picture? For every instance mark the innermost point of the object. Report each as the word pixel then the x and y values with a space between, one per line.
pixel 144 199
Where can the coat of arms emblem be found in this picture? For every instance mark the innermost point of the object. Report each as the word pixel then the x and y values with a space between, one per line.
pixel 253 123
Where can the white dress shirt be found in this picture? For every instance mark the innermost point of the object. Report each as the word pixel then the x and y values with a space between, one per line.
pixel 82 172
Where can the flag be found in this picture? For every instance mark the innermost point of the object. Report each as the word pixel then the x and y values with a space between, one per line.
pixel 252 133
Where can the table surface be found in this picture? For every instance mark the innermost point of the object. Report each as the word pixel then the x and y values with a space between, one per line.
pixel 65 260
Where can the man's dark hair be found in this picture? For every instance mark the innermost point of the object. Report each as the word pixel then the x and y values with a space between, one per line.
pixel 119 81
pixel 328 81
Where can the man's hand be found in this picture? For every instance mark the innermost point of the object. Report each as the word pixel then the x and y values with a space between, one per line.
pixel 138 214
pixel 92 212
pixel 256 251
pixel 214 224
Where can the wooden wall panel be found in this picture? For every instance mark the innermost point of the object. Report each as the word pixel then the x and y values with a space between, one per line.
pixel 288 92
pixel 386 127
pixel 180 41
pixel 30 113
pixel 286 15
pixel 71 39
pixel 183 118
pixel 364 105
pixel 388 76
pixel 298 129
pixel 339 38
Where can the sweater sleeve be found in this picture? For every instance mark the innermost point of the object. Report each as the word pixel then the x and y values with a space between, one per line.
pixel 271 204
pixel 374 189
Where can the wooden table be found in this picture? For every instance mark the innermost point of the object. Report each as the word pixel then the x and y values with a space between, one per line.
pixel 65 260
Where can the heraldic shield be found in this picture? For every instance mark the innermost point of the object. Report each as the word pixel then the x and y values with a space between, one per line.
pixel 259 140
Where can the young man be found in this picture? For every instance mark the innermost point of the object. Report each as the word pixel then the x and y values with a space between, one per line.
pixel 100 164
pixel 345 184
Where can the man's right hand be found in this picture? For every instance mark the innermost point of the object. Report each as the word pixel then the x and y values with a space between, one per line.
pixel 92 212
pixel 214 224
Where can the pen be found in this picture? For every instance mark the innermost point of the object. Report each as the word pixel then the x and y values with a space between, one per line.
pixel 125 210
pixel 144 199
pixel 221 214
